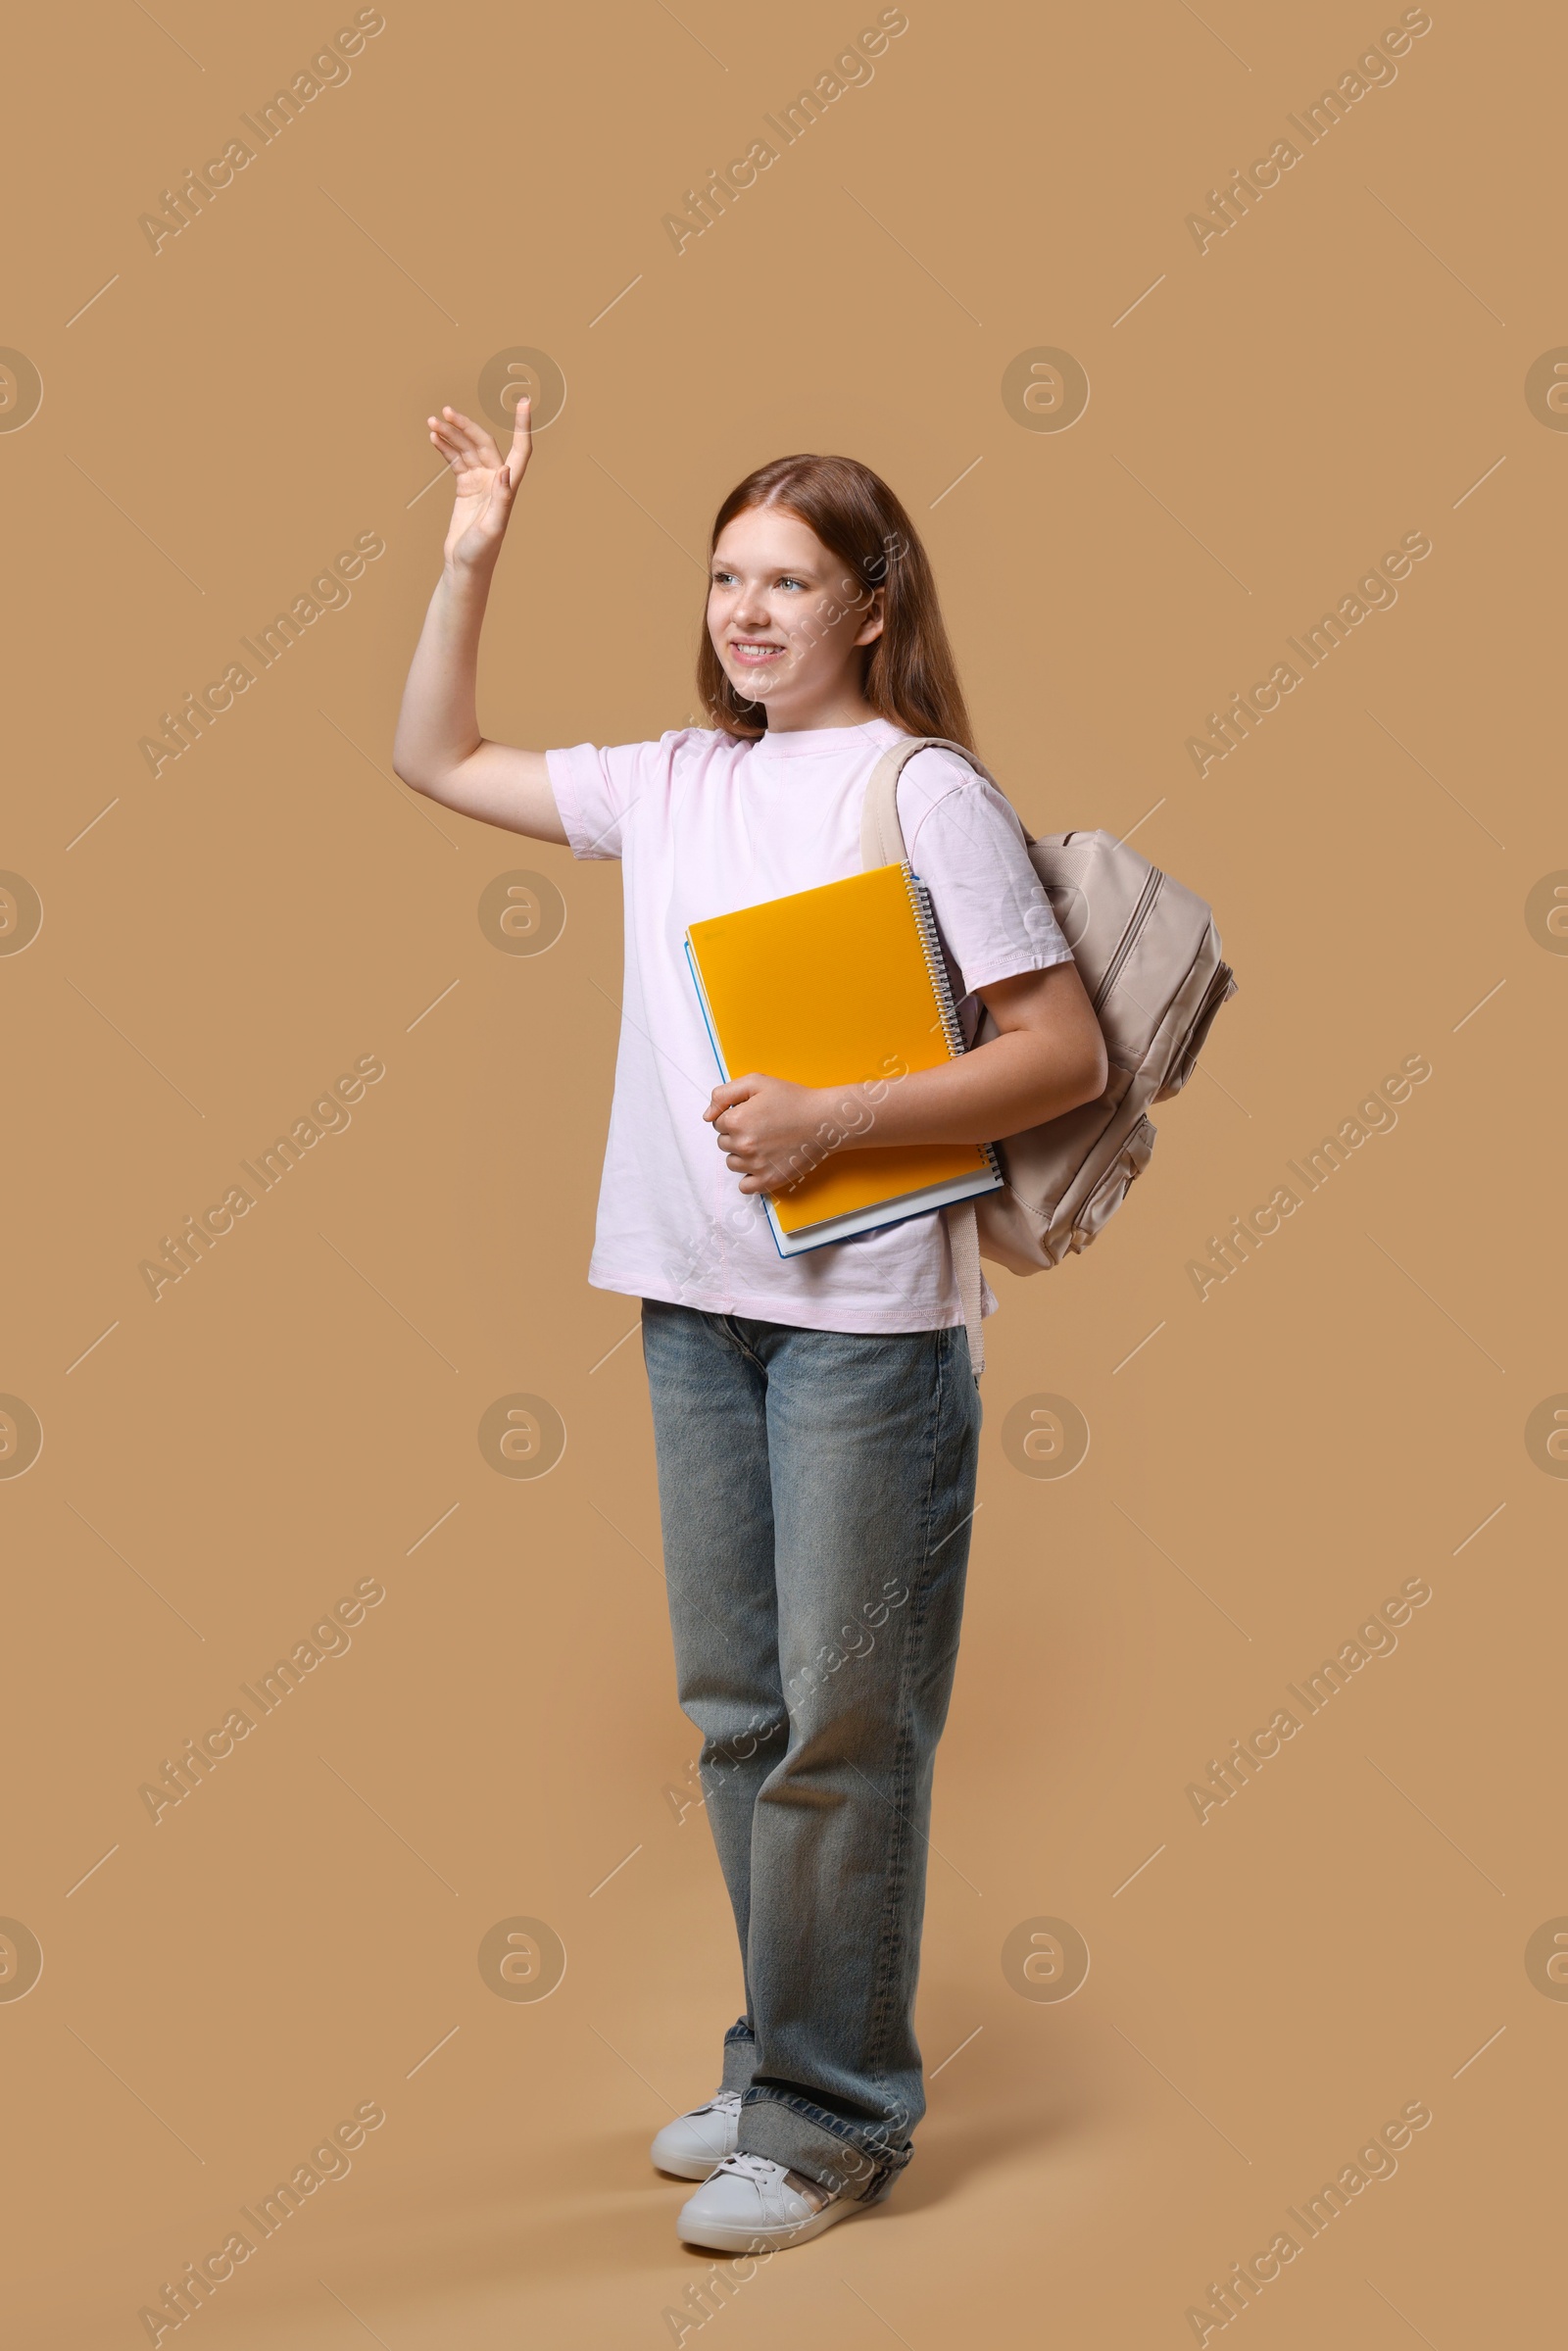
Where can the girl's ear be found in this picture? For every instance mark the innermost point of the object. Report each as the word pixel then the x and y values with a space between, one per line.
pixel 871 626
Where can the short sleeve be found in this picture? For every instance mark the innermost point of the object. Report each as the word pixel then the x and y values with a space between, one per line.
pixel 595 789
pixel 966 845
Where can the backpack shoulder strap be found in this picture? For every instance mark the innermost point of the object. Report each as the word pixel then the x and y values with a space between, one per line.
pixel 881 835
pixel 882 844
pixel 964 1238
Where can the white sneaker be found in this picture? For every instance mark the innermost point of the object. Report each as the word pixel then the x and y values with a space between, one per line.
pixel 752 2205
pixel 693 2143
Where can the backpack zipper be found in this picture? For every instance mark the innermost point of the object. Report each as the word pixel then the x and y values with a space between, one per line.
pixel 1140 916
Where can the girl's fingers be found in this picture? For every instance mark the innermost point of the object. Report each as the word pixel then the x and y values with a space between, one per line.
pixel 457 434
pixel 476 437
pixel 469 448
pixel 474 459
pixel 724 1097
pixel 463 438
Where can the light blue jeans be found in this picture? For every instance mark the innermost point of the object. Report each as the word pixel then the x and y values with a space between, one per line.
pixel 816 1490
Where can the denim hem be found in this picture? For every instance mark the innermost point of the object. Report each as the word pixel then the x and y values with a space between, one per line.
pixel 804 2138
pixel 740 2057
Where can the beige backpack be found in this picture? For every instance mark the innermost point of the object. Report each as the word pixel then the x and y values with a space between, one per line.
pixel 1149 954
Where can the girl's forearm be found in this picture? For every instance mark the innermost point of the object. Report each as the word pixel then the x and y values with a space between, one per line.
pixel 1048 1058
pixel 438 725
pixel 1015 1081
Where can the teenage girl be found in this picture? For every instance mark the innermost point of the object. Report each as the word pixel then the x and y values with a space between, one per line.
pixel 816 1418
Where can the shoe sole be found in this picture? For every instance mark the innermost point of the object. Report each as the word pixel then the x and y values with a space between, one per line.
pixel 717 2238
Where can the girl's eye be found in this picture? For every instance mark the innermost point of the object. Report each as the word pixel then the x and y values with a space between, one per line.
pixel 727 579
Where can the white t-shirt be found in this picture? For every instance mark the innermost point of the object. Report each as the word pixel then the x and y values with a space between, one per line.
pixel 704 824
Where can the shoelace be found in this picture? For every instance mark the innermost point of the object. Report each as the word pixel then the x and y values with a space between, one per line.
pixel 723 2101
pixel 760 2168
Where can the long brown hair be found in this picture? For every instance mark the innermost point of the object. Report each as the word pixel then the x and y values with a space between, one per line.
pixel 909 675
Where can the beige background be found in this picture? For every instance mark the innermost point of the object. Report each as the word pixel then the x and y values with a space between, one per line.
pixel 221 1989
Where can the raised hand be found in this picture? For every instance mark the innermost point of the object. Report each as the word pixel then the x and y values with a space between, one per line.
pixel 485 486
pixel 439 747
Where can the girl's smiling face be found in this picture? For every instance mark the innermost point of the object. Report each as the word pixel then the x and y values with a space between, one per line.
pixel 787 621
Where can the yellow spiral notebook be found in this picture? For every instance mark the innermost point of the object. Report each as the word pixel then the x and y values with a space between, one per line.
pixel 840 986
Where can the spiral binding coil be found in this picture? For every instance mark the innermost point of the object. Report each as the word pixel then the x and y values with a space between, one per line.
pixel 931 945
pixel 926 924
